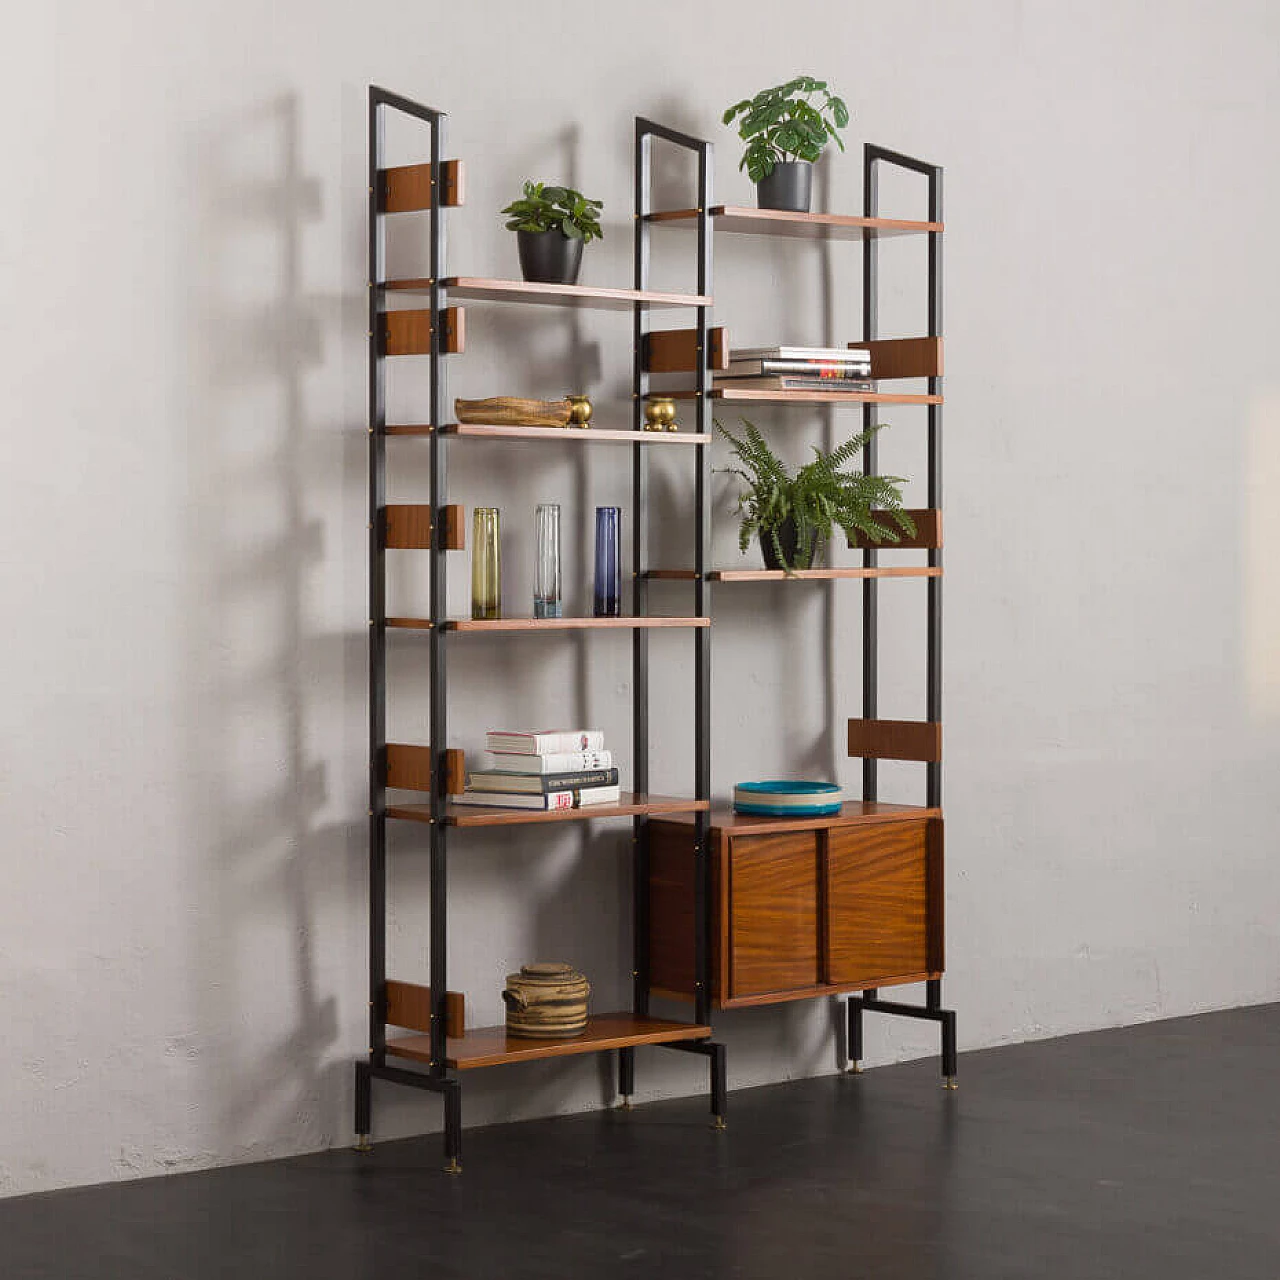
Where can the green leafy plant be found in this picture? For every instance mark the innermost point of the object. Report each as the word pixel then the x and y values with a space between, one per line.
pixel 544 208
pixel 783 122
pixel 821 495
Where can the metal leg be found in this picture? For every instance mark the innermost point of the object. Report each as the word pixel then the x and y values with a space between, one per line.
pixel 364 1106
pixel 853 1007
pixel 626 1076
pixel 932 1011
pixel 453 1127
pixel 719 1085
pixel 949 1050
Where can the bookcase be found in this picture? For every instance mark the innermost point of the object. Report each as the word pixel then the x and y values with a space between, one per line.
pixel 802 908
pixel 432 1045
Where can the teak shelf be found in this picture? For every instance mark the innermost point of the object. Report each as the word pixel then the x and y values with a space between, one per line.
pixel 436 331
pixel 803 226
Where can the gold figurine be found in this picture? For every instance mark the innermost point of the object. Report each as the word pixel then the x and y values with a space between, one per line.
pixel 660 414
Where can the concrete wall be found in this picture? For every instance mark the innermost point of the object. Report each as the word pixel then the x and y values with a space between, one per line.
pixel 182 893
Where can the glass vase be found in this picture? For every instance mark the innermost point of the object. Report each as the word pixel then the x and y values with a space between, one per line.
pixel 486 565
pixel 546 577
pixel 608 581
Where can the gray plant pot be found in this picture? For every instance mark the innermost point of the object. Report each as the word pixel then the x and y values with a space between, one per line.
pixel 789 539
pixel 788 187
pixel 549 257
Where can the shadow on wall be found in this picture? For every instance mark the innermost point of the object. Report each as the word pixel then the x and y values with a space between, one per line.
pixel 261 1024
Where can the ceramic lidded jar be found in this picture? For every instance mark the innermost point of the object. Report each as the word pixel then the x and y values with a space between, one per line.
pixel 546 1000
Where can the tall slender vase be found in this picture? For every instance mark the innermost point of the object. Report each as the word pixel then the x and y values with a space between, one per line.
pixel 608 584
pixel 546 581
pixel 486 565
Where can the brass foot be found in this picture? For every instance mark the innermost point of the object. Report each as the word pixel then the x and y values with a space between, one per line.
pixel 855 1068
pixel 363 1145
pixel 624 1105
pixel 453 1168
pixel 718 1124
pixel 949 1082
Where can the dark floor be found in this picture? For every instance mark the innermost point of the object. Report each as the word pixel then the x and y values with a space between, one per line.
pixel 1150 1151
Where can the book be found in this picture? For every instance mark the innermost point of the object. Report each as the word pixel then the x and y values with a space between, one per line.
pixel 801 384
pixel 544 742
pixel 807 368
pixel 581 798
pixel 858 355
pixel 540 783
pixel 557 762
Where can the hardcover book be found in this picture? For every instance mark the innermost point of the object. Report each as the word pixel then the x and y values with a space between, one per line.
pixel 578 799
pixel 558 762
pixel 540 783
pixel 544 742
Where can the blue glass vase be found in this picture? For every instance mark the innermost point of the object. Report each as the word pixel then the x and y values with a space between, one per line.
pixel 608 584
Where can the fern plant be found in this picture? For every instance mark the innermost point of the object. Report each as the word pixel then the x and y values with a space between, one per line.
pixel 823 494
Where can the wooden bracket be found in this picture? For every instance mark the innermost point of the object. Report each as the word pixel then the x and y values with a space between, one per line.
pixel 408 527
pixel 409 768
pixel 676 350
pixel 896 739
pixel 928 534
pixel 409 1006
pixel 408 333
pixel 455 771
pixel 407 188
pixel 904 357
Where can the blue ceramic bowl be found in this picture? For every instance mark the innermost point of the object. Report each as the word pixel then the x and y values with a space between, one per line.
pixel 787 798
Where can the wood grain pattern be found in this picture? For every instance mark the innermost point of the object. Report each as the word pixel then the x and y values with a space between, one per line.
pixel 904 357
pixel 407 188
pixel 895 739
pixel 648 622
pixel 928 534
pixel 805 226
pixel 671 898
pixel 773 913
pixel 936 889
pixel 594 435
pixel 555 295
pixel 724 391
pixel 877 894
pixel 818 575
pixel 410 624
pixel 676 350
pixel 493 1047
pixel 408 527
pixel 408 766
pixel 455 771
pixel 853 813
pixel 513 411
pixel 408 333
pixel 477 815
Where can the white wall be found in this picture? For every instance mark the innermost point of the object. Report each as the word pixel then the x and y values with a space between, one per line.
pixel 182 902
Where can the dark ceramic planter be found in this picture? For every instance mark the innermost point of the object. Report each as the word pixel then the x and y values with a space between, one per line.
pixel 790 544
pixel 549 257
pixel 788 187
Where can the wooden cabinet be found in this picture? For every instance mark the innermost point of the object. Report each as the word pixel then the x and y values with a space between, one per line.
pixel 800 908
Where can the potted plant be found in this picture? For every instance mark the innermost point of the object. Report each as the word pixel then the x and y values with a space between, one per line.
pixel 785 133
pixel 792 516
pixel 551 225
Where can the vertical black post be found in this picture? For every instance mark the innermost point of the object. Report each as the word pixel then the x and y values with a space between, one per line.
pixel 702 608
pixel 870 604
pixel 640 585
pixel 377 610
pixel 933 712
pixel 438 715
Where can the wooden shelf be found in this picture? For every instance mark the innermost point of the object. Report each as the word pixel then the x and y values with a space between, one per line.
pixel 476 815
pixel 760 395
pixel 572 624
pixel 852 813
pixel 803 226
pixel 564 435
pixel 803 575
pixel 554 295
pixel 493 1047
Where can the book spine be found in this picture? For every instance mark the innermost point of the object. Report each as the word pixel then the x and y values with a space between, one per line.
pixel 561 762
pixel 529 784
pixel 575 781
pixel 810 368
pixel 545 744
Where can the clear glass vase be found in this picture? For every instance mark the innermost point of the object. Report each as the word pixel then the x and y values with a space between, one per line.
pixel 608 581
pixel 546 577
pixel 486 564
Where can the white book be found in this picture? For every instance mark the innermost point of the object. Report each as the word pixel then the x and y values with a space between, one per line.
pixel 560 762
pixel 800 353
pixel 582 798
pixel 544 742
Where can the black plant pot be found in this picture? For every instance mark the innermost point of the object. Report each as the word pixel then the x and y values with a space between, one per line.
pixel 549 257
pixel 789 539
pixel 787 187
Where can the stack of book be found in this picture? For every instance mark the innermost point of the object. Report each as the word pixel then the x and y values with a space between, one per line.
pixel 544 769
pixel 799 369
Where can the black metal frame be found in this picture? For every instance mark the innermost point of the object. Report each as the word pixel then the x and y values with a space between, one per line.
pixel 872 156
pixel 436 1078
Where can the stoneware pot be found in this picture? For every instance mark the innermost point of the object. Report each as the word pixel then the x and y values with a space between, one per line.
pixel 788 187
pixel 549 257
pixel 546 1000
pixel 790 544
